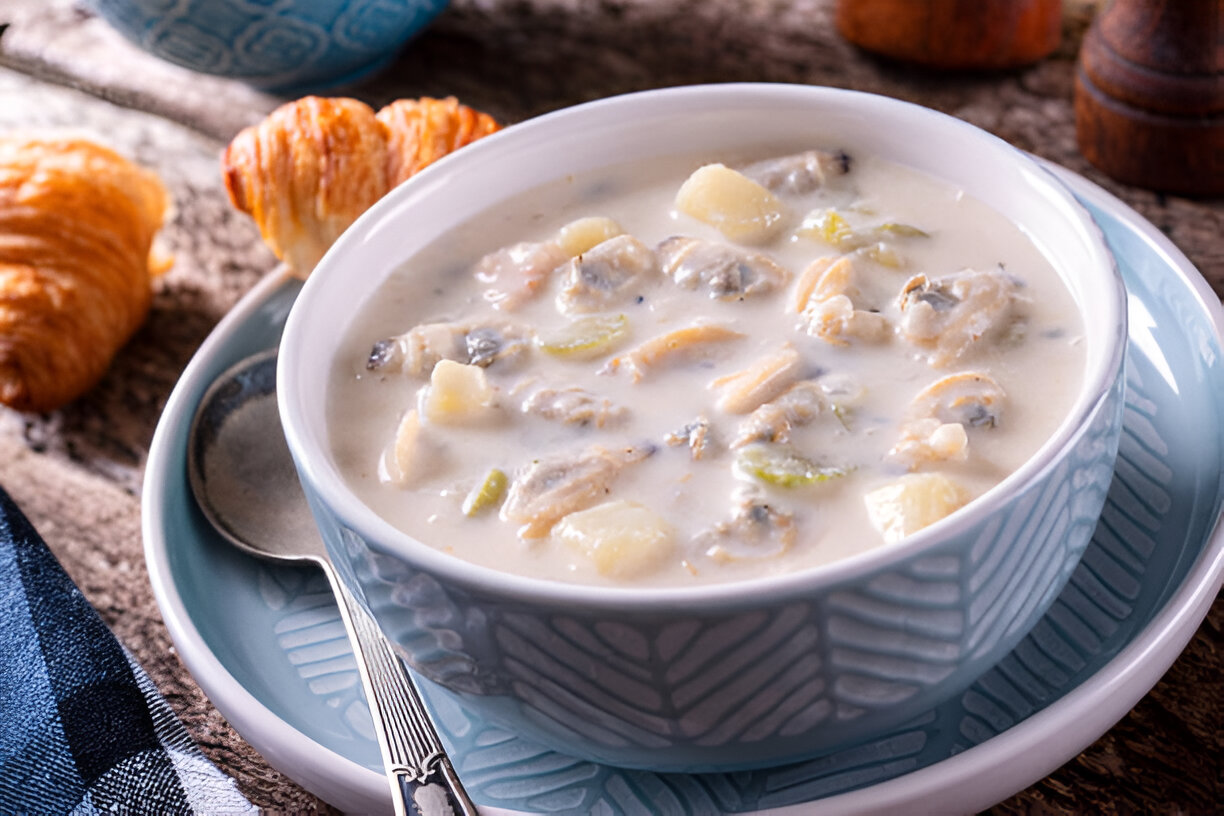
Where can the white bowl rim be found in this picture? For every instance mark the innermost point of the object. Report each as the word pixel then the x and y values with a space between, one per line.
pixel 381 535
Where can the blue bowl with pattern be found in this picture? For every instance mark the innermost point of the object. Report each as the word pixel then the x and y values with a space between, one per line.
pixel 738 675
pixel 276 45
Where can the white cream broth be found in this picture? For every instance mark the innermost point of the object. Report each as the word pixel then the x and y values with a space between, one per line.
pixel 875 492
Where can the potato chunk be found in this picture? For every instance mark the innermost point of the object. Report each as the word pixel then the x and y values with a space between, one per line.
pixel 912 502
pixel 404 462
pixel 732 203
pixel 585 234
pixel 621 538
pixel 458 394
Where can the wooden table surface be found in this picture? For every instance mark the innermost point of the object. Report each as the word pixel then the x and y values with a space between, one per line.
pixel 77 472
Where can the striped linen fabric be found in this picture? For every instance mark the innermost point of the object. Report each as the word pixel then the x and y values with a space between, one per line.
pixel 82 728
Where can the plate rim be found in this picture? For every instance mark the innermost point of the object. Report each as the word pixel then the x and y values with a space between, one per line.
pixel 1127 677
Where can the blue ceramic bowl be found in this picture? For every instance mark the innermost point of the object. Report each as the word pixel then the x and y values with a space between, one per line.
pixel 290 45
pixel 738 675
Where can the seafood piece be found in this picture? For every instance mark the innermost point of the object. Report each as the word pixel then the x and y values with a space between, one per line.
pixel 837 322
pixel 929 440
pixel 458 394
pixel 773 421
pixel 800 173
pixel 823 278
pixel 418 350
pixel 515 274
pixel 935 422
pixel 732 203
pixel 686 343
pixel 605 275
pixel 621 538
pixel 586 337
pixel 969 397
pixel 585 234
pixel 729 273
pixel 574 406
pixel 696 435
pixel 756 530
pixel 914 501
pixel 823 300
pixel 783 466
pixel 553 487
pixel 947 315
pixel 765 379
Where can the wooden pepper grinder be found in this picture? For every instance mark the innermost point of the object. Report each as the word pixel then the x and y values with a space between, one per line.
pixel 954 34
pixel 1149 94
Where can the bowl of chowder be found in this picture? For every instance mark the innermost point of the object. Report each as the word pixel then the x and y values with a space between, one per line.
pixel 711 427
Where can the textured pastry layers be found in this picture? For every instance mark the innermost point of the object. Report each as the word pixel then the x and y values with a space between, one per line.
pixel 314 165
pixel 77 223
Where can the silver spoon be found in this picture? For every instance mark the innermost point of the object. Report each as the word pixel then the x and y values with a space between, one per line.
pixel 243 478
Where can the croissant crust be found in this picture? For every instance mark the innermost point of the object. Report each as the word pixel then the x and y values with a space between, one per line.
pixel 77 222
pixel 313 166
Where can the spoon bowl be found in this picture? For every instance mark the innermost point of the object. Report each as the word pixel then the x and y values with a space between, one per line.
pixel 242 476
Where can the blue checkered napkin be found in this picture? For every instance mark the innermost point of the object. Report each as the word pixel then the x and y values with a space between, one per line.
pixel 82 728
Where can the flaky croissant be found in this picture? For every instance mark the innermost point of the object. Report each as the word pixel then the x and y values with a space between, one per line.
pixel 313 166
pixel 77 223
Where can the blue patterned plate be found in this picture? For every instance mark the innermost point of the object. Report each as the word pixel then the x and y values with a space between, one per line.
pixel 266 644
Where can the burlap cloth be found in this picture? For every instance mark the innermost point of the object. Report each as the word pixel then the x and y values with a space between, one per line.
pixel 77 472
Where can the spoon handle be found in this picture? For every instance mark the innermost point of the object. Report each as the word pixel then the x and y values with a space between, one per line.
pixel 423 781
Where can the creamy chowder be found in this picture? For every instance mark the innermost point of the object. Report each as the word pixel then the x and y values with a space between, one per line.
pixel 704 369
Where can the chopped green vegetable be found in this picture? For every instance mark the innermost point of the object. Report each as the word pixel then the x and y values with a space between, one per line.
pixel 828 226
pixel 587 337
pixel 487 495
pixel 904 230
pixel 843 415
pixel 883 254
pixel 782 466
pixel 832 227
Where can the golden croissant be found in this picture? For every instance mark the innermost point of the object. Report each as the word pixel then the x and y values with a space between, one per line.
pixel 77 223
pixel 313 166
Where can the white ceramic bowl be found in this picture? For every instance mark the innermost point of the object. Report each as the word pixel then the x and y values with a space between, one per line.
pixel 742 674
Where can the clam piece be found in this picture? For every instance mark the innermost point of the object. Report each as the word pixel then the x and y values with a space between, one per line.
pixel 687 343
pixel 605 276
pixel 800 173
pixel 774 421
pixel 823 299
pixel 418 350
pixel 822 279
pixel 971 398
pixel 765 379
pixel 735 205
pixel 555 486
pixel 756 530
pixel 515 274
pixel 728 273
pixel 946 316
pixel 696 435
pixel 574 406
pixel 837 322
pixel 926 441
pixel 935 423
